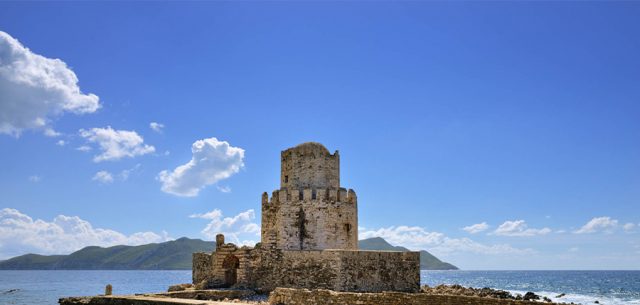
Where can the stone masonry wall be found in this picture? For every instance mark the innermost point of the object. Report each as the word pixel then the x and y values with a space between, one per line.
pixel 201 267
pixel 288 296
pixel 310 219
pixel 309 165
pixel 340 270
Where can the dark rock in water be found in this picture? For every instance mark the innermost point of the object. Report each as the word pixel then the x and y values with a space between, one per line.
pixel 597 302
pixel 548 300
pixel 561 295
pixel 10 291
pixel 468 291
pixel 530 296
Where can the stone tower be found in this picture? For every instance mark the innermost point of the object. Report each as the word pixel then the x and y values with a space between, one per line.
pixel 310 211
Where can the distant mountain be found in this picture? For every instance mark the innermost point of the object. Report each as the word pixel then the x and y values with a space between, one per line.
pixel 175 254
pixel 427 260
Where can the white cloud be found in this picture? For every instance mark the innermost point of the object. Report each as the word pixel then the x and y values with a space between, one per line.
pixel 596 224
pixel 212 161
pixel 49 132
pixel 20 234
pixel 124 174
pixel 629 226
pixel 84 148
pixel 103 177
pixel 224 189
pixel 417 238
pixel 519 228
pixel 35 178
pixel 476 228
pixel 157 127
pixel 116 144
pixel 61 143
pixel 234 227
pixel 35 89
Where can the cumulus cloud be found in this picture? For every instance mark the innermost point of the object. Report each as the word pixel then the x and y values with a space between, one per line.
pixel 20 234
pixel 629 226
pixel 417 238
pixel 103 177
pixel 212 161
pixel 519 228
pixel 476 228
pixel 35 89
pixel 116 144
pixel 61 143
pixel 598 224
pixel 157 127
pixel 234 227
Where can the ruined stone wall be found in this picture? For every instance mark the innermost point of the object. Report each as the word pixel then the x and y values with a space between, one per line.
pixel 214 267
pixel 310 219
pixel 309 165
pixel 288 296
pixel 201 267
pixel 340 270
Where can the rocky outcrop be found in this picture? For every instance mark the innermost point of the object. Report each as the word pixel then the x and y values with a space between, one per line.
pixel 480 292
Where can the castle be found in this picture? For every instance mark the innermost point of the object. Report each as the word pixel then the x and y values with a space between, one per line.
pixel 309 238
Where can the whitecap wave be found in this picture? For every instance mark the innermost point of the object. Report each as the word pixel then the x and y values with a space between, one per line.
pixel 581 298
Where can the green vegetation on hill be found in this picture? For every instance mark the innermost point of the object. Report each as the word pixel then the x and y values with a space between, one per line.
pixel 427 260
pixel 175 254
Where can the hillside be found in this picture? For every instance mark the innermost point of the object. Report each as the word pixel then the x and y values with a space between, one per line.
pixel 427 260
pixel 175 254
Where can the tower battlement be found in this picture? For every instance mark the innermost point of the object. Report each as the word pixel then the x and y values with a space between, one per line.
pixel 340 195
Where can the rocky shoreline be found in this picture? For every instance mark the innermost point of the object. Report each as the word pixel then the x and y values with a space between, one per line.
pixel 451 290
pixel 442 294
pixel 486 292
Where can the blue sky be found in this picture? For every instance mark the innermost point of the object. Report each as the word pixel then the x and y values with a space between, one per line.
pixel 517 121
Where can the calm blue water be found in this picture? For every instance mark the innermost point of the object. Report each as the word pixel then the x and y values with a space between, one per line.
pixel 585 287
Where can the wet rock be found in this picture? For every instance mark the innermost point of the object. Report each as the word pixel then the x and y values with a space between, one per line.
pixel 468 291
pixel 530 296
pixel 561 295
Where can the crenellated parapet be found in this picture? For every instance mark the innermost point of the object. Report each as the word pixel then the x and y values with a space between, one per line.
pixel 341 195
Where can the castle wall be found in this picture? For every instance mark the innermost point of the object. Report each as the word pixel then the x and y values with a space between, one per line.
pixel 309 165
pixel 310 219
pixel 339 270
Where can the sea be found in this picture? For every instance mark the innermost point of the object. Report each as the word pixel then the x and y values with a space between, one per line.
pixel 44 287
